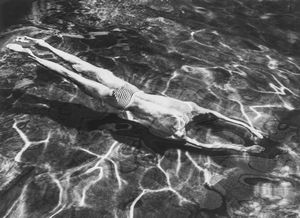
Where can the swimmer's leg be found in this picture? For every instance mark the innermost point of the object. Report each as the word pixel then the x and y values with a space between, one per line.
pixel 88 86
pixel 201 110
pixel 102 75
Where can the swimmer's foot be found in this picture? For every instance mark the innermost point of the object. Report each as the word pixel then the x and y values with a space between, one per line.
pixel 32 41
pixel 18 48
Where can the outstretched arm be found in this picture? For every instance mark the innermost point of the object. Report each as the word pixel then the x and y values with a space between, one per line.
pixel 222 147
pixel 200 110
pixel 88 86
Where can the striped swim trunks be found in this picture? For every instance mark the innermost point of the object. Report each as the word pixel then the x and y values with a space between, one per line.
pixel 124 95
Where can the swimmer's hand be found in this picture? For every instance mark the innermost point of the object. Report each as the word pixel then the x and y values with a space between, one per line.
pixel 254 149
pixel 201 110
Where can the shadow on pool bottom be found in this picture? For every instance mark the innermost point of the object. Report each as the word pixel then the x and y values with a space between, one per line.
pixel 82 118
pixel 98 163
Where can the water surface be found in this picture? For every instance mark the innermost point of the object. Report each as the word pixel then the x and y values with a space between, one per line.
pixel 64 154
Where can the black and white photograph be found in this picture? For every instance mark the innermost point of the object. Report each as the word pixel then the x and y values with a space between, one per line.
pixel 149 108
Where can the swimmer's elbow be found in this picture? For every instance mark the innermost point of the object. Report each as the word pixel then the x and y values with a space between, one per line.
pixel 196 109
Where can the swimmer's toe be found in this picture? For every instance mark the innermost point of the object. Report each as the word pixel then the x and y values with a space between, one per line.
pixel 22 39
pixel 33 41
pixel 27 41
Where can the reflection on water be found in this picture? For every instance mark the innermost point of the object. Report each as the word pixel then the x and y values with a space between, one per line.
pixel 64 154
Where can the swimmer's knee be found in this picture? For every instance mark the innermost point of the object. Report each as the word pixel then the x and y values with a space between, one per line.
pixel 82 67
pixel 104 75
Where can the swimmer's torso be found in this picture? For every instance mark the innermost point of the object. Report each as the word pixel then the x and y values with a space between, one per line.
pixel 164 101
pixel 166 115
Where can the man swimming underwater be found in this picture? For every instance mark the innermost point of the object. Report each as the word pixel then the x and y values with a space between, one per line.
pixel 166 116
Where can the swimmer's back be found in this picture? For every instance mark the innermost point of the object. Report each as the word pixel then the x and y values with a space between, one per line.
pixel 165 102
pixel 166 115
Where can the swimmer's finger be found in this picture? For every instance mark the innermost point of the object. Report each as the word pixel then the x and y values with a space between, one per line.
pixel 254 149
pixel 39 42
pixel 258 133
pixel 30 39
pixel 25 39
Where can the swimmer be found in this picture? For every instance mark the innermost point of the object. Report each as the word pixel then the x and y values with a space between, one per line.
pixel 166 116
